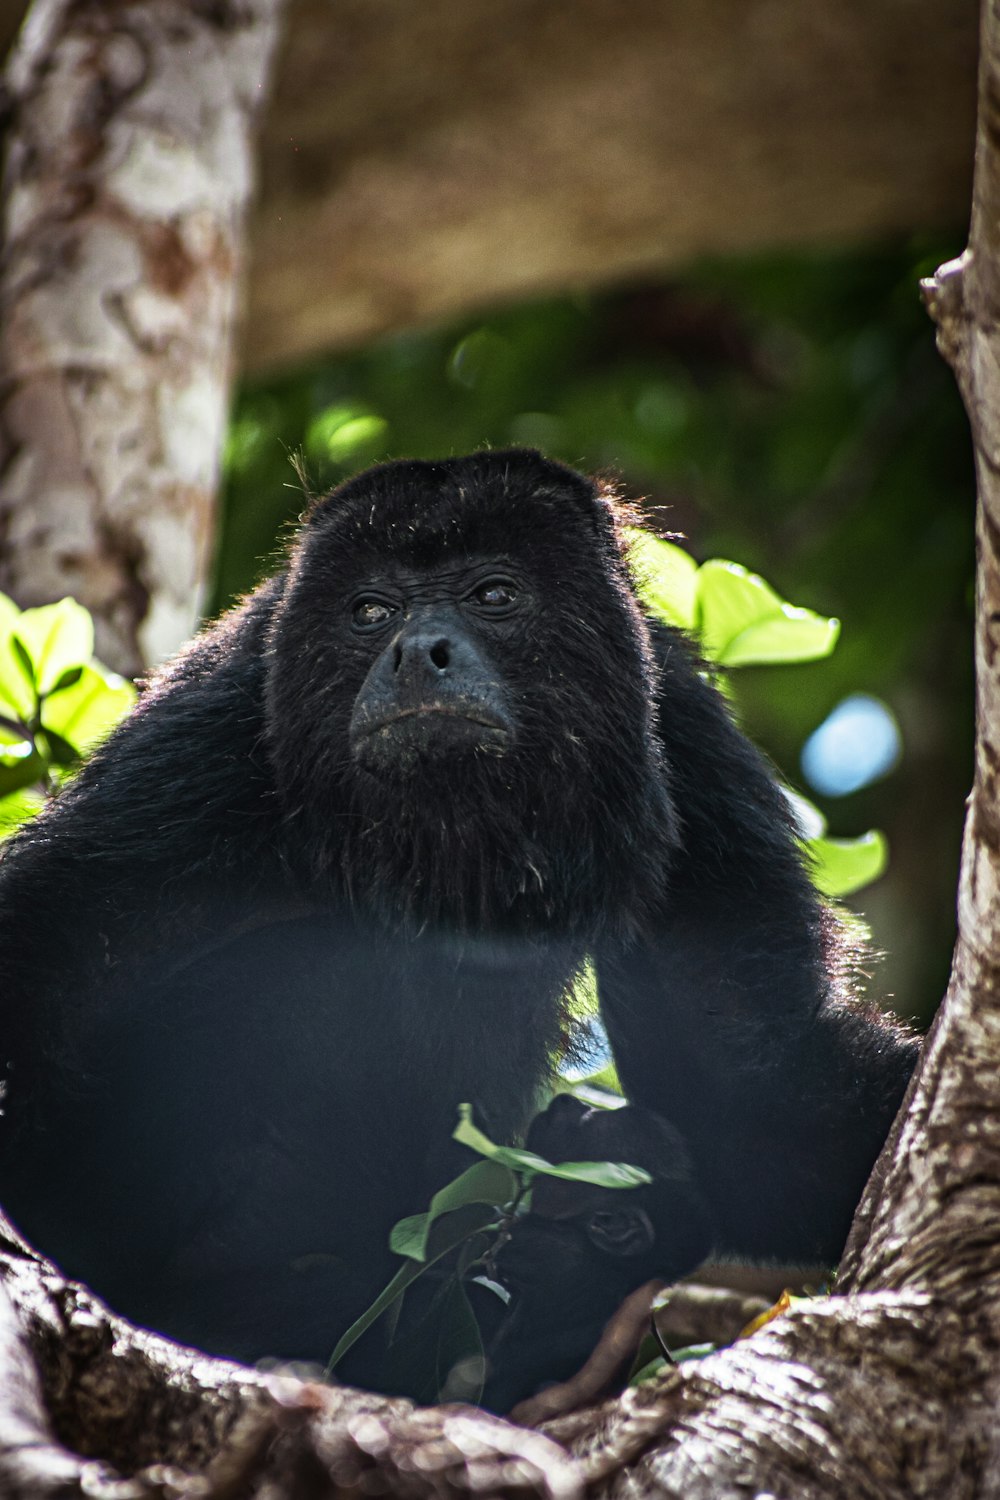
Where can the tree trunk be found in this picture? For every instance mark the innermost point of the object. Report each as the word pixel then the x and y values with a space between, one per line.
pixel 887 1389
pixel 128 177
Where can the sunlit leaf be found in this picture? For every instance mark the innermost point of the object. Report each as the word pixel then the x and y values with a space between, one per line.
pixel 794 635
pixel 342 433
pixel 602 1088
pixel 608 1174
pixel 56 638
pixel 17 691
pixel 483 1182
pixel 840 866
pixel 15 746
pixel 9 612
pixel 85 712
pixel 57 751
pixel 17 807
pixel 741 620
pixel 22 771
pixel 667 578
pixel 738 617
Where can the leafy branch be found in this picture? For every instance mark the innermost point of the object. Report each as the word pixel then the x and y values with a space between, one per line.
pixel 469 1217
pixel 56 702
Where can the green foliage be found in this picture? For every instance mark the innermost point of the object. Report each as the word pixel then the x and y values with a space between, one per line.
pixel 841 866
pixel 56 702
pixel 464 1220
pixel 485 1182
pixel 738 619
pixel 604 1174
pixel 448 1233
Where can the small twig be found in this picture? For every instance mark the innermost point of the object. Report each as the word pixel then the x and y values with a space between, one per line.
pixel 614 1352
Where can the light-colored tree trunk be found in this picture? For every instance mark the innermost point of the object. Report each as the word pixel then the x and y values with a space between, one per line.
pixel 129 172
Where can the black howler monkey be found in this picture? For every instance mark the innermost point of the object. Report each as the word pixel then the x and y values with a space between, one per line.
pixel 331 878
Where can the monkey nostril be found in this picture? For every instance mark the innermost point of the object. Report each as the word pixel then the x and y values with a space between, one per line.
pixel 440 654
pixel 397 657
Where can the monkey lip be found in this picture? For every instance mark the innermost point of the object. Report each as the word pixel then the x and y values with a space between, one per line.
pixel 424 734
pixel 459 712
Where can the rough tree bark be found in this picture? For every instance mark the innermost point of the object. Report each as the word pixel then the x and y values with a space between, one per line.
pixel 129 171
pixel 887 1389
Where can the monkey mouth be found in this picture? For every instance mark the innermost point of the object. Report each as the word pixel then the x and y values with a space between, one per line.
pixel 470 713
pixel 431 730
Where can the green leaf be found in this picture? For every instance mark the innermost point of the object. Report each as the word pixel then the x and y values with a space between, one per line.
pixel 446 1233
pixel 9 613
pixel 795 635
pixel 840 866
pixel 391 1293
pixel 86 711
pixel 483 1182
pixel 17 807
pixel 607 1174
pixel 57 751
pixel 68 678
pixel 409 1236
pixel 666 578
pixel 605 1080
pixel 461 1366
pixel 692 1351
pixel 15 746
pixel 17 691
pixel 741 620
pixel 437 1355
pixel 343 432
pixel 24 771
pixel 56 637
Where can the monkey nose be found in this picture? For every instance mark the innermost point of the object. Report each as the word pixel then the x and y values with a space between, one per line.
pixel 419 651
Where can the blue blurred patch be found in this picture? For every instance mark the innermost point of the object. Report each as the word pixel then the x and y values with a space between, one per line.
pixel 859 742
pixel 591 1051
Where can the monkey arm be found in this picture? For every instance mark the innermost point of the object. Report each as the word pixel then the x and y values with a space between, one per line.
pixel 736 1016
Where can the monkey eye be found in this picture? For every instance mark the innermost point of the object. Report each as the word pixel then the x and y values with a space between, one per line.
pixel 621 1231
pixel 495 593
pixel 368 614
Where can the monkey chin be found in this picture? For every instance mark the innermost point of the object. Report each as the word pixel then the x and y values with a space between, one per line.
pixel 425 736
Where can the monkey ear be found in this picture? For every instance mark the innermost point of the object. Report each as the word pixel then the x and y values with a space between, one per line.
pixel 622 1232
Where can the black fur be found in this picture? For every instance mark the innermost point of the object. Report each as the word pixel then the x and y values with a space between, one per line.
pixel 575 1256
pixel 256 954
